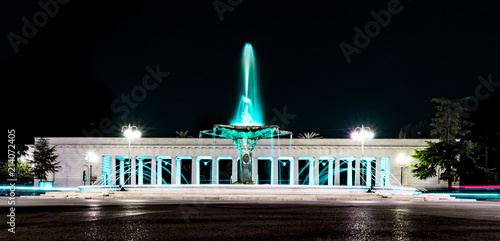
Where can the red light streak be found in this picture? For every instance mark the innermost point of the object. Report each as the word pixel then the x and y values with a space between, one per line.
pixel 479 187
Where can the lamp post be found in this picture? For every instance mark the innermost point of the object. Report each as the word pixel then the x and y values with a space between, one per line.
pixel 362 133
pixel 130 132
pixel 402 159
pixel 91 157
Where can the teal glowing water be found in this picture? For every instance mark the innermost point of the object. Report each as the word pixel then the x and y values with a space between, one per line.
pixel 249 112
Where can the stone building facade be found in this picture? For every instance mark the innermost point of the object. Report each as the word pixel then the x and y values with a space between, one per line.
pixel 165 161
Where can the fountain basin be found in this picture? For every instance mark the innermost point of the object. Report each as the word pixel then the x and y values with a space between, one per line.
pixel 245 138
pixel 236 132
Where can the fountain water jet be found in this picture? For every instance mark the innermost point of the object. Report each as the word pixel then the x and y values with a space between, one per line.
pixel 247 129
pixel 249 112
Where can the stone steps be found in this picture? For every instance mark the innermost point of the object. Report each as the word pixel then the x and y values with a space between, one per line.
pixel 251 195
pixel 252 192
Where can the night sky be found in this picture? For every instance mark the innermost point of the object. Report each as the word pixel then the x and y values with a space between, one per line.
pixel 179 64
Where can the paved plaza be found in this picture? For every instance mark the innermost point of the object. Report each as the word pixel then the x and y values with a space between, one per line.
pixel 90 219
pixel 249 192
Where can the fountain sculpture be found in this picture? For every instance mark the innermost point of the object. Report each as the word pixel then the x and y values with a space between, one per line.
pixel 247 129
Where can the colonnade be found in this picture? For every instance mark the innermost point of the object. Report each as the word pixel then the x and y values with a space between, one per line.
pixel 273 170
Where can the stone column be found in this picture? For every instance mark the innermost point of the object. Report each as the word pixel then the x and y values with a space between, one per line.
pixel 357 171
pixel 153 170
pixel 337 171
pixel 368 172
pixel 113 170
pixel 330 172
pixel 349 172
pixel 176 170
pixel 196 168
pixel 316 171
pixel 312 171
pixel 159 163
pixel 122 171
pixel 378 177
pixel 215 170
pixel 293 170
pixel 140 172
pixel 234 167
pixel 255 170
pixel 133 170
pixel 194 178
pixel 274 170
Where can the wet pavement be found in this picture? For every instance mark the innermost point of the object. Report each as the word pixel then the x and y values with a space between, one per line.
pixel 168 220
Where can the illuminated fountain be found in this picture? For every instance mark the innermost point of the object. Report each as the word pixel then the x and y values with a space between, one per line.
pixel 247 129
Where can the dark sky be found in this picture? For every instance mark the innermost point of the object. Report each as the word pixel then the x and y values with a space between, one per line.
pixel 73 72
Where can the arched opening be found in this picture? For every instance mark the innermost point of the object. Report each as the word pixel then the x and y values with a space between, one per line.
pixel 347 171
pixel 225 169
pixel 368 171
pixel 163 170
pixel 183 169
pixel 143 170
pixel 204 169
pixel 265 170
pixel 106 170
pixel 306 171
pixel 285 171
pixel 326 170
pixel 123 170
pixel 385 171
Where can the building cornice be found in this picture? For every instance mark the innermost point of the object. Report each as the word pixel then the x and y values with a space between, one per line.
pixel 195 143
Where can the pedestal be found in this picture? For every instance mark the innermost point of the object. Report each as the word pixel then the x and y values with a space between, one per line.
pixel 245 169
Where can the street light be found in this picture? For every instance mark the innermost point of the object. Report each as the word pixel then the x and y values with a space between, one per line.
pixel 362 133
pixel 91 157
pixel 130 132
pixel 402 159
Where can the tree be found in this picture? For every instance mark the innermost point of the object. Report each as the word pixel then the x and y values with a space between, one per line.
pixel 44 159
pixel 19 151
pixel 183 134
pixel 486 151
pixel 420 129
pixel 452 157
pixel 448 124
pixel 24 172
pixel 453 160
pixel 310 135
pixel 487 144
